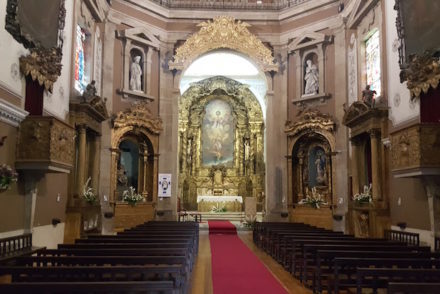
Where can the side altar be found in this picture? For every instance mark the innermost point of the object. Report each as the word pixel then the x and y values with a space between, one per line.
pixel 208 203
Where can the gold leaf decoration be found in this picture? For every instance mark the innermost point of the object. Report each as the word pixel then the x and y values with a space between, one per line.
pixel 223 32
pixel 422 74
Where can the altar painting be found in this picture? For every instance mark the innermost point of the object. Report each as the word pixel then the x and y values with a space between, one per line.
pixel 317 167
pixel 218 134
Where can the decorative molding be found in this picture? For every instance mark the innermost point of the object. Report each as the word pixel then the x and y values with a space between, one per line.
pixel 310 120
pixel 307 98
pixel 42 65
pixel 137 116
pixel 45 143
pixel 360 112
pixel 308 39
pixel 140 35
pixel 11 114
pixel 414 150
pixel 223 32
pixel 422 73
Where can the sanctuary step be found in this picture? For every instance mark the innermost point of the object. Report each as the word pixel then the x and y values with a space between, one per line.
pixel 231 216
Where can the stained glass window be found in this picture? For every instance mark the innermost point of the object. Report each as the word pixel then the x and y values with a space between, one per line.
pixel 80 80
pixel 373 62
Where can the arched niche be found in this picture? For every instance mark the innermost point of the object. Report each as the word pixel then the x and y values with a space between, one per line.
pixel 311 166
pixel 135 130
pixel 311 144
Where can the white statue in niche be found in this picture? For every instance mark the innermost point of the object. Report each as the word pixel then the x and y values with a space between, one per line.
pixel 136 74
pixel 311 78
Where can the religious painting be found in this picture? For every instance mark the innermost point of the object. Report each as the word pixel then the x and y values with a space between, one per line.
pixel 218 134
pixel 317 167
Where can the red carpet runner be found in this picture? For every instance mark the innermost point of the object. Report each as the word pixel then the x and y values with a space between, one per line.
pixel 235 269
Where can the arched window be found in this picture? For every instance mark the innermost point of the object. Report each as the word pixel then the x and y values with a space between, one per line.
pixel 372 56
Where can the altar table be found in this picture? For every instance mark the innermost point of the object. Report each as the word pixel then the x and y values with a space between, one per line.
pixel 231 203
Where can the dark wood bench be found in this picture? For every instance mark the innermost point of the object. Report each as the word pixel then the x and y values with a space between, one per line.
pixel 344 268
pixel 379 278
pixel 413 288
pixel 310 253
pixel 88 287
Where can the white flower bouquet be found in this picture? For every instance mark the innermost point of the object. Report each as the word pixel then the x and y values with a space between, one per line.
pixel 88 194
pixel 131 196
pixel 315 199
pixel 364 197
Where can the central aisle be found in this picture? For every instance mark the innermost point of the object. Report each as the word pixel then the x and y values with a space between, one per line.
pixel 235 269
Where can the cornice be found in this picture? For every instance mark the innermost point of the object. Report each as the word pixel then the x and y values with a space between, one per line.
pixel 11 114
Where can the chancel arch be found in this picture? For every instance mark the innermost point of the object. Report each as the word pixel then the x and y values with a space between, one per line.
pixel 221 150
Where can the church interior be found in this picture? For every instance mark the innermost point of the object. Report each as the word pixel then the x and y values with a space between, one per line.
pixel 233 146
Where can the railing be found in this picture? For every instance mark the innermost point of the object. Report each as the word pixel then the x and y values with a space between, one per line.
pixel 405 237
pixel 230 4
pixel 15 244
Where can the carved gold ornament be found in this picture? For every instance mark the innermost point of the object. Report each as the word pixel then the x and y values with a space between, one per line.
pixel 422 74
pixel 223 32
pixel 310 120
pixel 138 116
pixel 42 65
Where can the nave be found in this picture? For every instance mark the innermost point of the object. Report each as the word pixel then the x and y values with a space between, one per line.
pixel 178 257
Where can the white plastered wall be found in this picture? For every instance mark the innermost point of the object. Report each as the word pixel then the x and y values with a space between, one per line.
pixel 401 108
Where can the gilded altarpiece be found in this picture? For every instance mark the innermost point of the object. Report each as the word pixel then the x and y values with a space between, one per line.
pixel 137 126
pixel 221 139
pixel 311 144
pixel 368 168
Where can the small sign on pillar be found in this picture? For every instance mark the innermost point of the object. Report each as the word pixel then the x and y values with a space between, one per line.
pixel 164 185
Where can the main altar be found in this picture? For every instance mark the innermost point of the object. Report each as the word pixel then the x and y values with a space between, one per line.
pixel 207 203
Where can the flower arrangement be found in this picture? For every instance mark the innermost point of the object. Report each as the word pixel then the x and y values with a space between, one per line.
pixel 7 177
pixel 131 196
pixel 314 200
pixel 217 208
pixel 364 197
pixel 88 194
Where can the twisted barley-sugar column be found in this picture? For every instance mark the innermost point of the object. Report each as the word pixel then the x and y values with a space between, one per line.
pixel 81 168
pixel 375 165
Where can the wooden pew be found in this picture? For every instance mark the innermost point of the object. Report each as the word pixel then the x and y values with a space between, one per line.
pixel 413 288
pixel 379 278
pixel 345 268
pixel 88 287
pixel 310 252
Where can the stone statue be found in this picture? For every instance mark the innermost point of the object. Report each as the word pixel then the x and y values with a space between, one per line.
pixel 136 74
pixel 311 78
pixel 368 95
pixel 89 92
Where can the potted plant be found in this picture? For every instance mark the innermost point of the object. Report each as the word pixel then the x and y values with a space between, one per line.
pixel 131 197
pixel 88 194
pixel 315 199
pixel 364 197
pixel 7 177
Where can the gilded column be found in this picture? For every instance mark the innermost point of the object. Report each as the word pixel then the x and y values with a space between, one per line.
pixel 355 146
pixel 81 167
pixel 113 174
pixel 300 172
pixel 96 158
pixel 375 165
pixel 145 173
